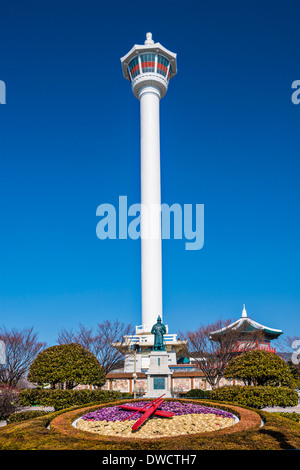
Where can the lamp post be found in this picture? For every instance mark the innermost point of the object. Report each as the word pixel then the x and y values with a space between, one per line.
pixel 136 348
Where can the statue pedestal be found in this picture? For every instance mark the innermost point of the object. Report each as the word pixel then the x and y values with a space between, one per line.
pixel 158 376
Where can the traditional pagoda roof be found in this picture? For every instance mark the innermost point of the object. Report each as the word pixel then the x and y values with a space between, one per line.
pixel 246 325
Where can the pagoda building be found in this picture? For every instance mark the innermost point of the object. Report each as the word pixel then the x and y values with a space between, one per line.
pixel 245 326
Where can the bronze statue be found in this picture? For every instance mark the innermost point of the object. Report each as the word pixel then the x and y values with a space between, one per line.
pixel 159 330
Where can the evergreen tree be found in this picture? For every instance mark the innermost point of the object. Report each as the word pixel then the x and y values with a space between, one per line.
pixel 260 368
pixel 67 364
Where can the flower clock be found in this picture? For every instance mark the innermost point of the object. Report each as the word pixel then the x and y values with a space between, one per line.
pixel 153 419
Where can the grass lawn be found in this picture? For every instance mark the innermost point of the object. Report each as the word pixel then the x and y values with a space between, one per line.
pixel 277 433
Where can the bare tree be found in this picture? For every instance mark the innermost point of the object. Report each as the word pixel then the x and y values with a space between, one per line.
pixel 212 354
pixel 8 403
pixel 288 344
pixel 21 347
pixel 289 350
pixel 100 341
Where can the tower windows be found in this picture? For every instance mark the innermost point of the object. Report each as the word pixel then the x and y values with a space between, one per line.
pixel 163 66
pixel 133 68
pixel 148 62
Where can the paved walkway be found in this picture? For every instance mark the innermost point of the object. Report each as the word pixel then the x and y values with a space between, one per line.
pixel 30 408
pixel 288 409
pixel 36 408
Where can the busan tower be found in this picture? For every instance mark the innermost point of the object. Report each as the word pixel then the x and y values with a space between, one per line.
pixel 149 68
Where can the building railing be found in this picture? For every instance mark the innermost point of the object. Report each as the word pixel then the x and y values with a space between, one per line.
pixel 266 347
pixel 149 339
pixel 261 346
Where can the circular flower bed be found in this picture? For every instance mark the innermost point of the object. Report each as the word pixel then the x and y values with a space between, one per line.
pixel 189 418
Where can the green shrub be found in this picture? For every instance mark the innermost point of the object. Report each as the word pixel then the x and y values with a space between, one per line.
pixel 198 393
pixel 260 368
pixel 24 415
pixel 61 399
pixel 127 395
pixel 71 364
pixel 293 416
pixel 256 397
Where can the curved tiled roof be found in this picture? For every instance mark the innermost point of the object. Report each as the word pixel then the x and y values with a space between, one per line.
pixel 245 325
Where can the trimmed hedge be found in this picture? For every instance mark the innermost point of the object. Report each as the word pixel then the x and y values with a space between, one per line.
pixel 256 397
pixel 24 415
pixel 293 416
pixel 61 399
pixel 197 393
pixel 127 395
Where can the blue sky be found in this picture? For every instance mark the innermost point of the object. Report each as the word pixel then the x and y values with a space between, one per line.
pixel 70 141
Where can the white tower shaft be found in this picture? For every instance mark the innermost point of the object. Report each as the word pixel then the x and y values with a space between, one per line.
pixel 150 207
pixel 149 67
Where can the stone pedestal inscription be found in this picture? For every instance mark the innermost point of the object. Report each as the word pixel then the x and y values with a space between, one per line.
pixel 158 375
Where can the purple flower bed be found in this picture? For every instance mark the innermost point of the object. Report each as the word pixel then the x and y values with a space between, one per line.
pixel 114 413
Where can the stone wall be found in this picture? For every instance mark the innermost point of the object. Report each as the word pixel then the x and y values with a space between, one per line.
pixel 181 382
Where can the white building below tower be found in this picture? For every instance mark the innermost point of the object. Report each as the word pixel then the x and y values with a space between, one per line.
pixel 174 349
